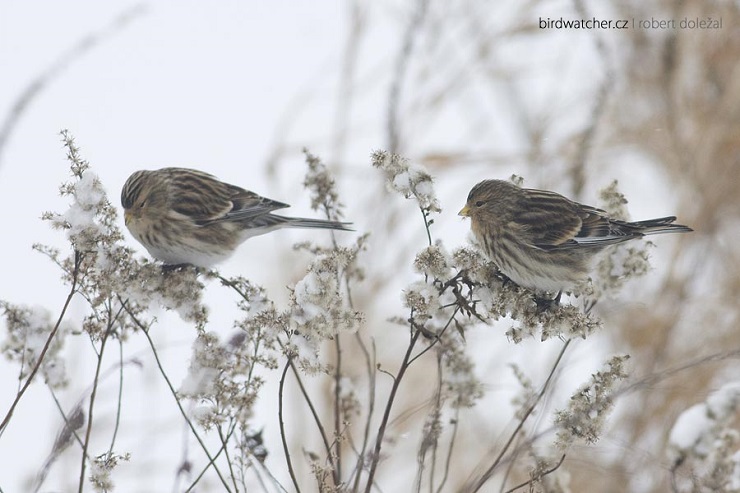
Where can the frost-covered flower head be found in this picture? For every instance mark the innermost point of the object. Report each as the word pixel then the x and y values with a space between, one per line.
pixel 407 179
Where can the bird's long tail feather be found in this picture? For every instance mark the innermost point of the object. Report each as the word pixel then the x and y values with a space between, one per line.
pixel 302 222
pixel 660 225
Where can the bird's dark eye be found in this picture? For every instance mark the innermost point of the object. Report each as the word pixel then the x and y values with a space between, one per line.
pixel 126 201
pixel 479 203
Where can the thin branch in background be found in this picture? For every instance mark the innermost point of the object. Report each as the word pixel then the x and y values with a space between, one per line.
pixel 599 105
pixel 185 464
pixel 654 378
pixel 68 433
pixel 258 464
pixel 41 81
pixel 510 466
pixel 399 75
pixel 355 30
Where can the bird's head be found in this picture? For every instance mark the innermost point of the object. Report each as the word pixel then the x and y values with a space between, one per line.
pixel 144 195
pixel 489 198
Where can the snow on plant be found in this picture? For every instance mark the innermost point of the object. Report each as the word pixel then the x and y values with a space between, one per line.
pixel 704 440
pixel 407 179
pixel 621 263
pixel 101 469
pixel 317 304
pixel 222 380
pixel 28 330
pixel 585 416
pixel 323 189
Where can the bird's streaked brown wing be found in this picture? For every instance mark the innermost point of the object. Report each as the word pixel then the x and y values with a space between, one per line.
pixel 249 205
pixel 546 220
pixel 205 199
pixel 549 221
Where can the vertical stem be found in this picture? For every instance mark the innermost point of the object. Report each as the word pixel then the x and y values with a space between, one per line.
pixel 387 413
pixel 449 451
pixel 282 427
pixel 90 408
pixel 402 63
pixel 337 473
pixel 370 365
pixel 438 411
pixel 120 392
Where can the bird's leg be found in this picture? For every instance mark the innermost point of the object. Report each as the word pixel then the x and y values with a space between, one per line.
pixel 505 279
pixel 167 268
pixel 544 304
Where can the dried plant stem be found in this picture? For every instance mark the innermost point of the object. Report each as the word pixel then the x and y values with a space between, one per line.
pixel 370 367
pixel 539 477
pixel 120 392
pixel 435 410
pixel 72 290
pixel 489 472
pixel 211 462
pixel 436 340
pixel 387 413
pixel 438 409
pixel 290 364
pixel 450 448
pixel 427 224
pixel 91 406
pixel 314 413
pixel 511 462
pixel 304 392
pixel 283 436
pixel 167 380
pixel 337 471
pixel 64 415
pixel 224 442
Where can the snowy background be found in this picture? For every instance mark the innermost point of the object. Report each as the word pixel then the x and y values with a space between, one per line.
pixel 239 88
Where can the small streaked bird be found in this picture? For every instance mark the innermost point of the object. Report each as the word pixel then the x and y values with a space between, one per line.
pixel 544 241
pixel 186 216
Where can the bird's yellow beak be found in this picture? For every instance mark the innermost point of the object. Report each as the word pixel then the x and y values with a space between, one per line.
pixel 465 211
pixel 126 217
